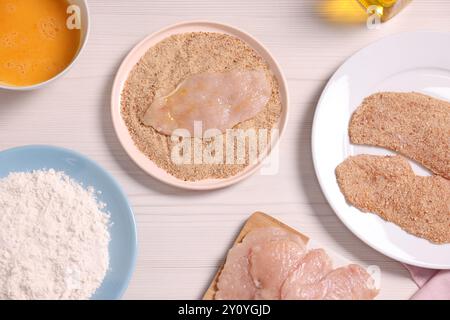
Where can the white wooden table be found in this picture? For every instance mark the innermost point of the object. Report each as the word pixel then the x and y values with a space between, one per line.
pixel 183 236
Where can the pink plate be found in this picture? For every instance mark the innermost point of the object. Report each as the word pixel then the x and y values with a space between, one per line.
pixel 133 57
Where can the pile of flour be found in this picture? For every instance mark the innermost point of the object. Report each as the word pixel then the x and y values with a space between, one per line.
pixel 53 237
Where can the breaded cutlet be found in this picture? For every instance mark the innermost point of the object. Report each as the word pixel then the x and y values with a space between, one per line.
pixel 413 124
pixel 387 186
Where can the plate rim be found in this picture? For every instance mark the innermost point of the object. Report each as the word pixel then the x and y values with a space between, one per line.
pixel 200 185
pixel 314 148
pixel 127 279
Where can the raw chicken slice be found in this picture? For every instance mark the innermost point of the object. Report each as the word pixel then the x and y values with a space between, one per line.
pixel 313 266
pixel 270 265
pixel 351 282
pixel 216 100
pixel 260 235
pixel 235 281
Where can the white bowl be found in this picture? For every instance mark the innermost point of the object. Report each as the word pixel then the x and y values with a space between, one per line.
pixel 85 24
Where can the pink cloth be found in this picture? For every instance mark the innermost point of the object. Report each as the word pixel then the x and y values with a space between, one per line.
pixel 433 284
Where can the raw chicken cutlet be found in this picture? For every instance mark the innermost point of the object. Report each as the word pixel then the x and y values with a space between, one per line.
pixel 313 266
pixel 272 263
pixel 413 124
pixel 351 282
pixel 236 281
pixel 213 101
pixel 387 186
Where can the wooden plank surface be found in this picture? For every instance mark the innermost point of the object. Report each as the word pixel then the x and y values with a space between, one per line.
pixel 183 236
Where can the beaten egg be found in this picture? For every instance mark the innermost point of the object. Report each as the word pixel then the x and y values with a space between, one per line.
pixel 35 42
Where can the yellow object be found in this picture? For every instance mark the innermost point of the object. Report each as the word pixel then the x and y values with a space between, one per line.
pixel 35 44
pixel 386 9
pixel 387 3
pixel 341 11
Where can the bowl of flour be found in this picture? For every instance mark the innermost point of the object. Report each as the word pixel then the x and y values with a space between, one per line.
pixel 66 228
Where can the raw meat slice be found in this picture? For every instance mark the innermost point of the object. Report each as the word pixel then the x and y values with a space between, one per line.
pixel 258 236
pixel 313 266
pixel 235 281
pixel 270 265
pixel 216 100
pixel 351 282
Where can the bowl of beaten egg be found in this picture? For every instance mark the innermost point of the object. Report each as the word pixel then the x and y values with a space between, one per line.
pixel 40 40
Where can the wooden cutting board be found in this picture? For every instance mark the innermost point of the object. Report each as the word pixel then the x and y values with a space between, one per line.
pixel 256 220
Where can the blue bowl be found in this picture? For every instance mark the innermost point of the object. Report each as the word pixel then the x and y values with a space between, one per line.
pixel 123 245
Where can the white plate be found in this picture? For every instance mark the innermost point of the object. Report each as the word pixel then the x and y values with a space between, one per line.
pixel 418 61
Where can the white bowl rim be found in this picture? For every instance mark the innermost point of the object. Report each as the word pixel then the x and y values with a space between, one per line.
pixel 65 70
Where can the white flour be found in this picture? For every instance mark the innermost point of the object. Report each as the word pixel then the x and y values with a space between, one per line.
pixel 53 237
